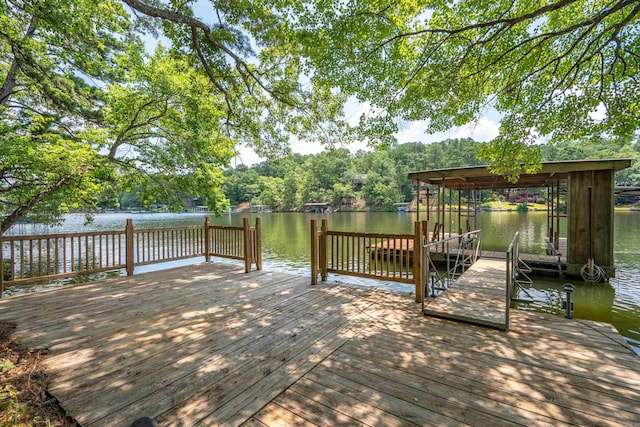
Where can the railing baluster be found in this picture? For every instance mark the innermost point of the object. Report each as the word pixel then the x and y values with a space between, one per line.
pixel 13 260
pixel 31 256
pixel 64 255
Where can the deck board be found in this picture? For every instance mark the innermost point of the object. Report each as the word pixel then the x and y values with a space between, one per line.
pixel 209 344
pixel 478 296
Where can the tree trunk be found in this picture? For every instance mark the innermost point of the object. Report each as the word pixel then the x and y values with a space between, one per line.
pixel 11 79
pixel 22 210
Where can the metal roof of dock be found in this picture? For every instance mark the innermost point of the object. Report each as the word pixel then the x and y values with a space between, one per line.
pixel 479 177
pixel 627 191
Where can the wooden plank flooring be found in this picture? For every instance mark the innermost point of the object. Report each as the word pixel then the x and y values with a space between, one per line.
pixel 210 345
pixel 478 296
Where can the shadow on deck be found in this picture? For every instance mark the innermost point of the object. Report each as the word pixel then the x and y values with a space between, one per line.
pixel 209 344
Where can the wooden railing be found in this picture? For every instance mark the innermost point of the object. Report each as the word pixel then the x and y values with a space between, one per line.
pixel 241 243
pixel 29 259
pixel 37 258
pixel 391 257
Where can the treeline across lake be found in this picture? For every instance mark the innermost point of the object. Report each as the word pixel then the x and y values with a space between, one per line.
pixel 378 179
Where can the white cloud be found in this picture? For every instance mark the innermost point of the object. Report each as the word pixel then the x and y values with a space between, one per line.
pixel 484 129
pixel 246 156
pixel 354 110
pixel 303 147
pixel 599 114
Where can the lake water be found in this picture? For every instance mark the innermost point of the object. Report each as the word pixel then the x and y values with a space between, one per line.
pixel 285 242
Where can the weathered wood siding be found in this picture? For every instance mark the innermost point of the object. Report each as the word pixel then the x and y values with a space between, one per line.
pixel 578 206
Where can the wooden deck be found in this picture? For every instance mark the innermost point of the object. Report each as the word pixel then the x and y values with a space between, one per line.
pixel 209 344
pixel 478 296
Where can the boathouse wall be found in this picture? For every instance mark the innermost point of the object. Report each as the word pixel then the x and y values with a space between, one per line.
pixel 590 214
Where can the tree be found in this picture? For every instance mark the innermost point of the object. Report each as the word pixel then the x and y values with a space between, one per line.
pixel 343 194
pixel 241 184
pixel 291 185
pixel 54 56
pixel 84 110
pixel 558 70
pixel 255 62
pixel 272 191
pixel 380 192
pixel 166 119
pixel 158 128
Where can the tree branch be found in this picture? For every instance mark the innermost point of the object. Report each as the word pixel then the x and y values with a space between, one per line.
pixel 21 210
pixel 241 65
pixel 496 22
pixel 212 77
pixel 121 138
pixel 11 78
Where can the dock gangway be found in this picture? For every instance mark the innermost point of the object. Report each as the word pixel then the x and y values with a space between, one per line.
pixel 480 295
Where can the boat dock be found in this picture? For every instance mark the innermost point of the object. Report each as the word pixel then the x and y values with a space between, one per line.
pixel 545 264
pixel 209 344
pixel 478 296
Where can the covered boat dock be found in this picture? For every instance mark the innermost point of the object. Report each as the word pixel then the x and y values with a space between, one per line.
pixel 587 187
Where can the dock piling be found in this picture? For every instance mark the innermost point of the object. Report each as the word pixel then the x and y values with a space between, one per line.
pixel 567 304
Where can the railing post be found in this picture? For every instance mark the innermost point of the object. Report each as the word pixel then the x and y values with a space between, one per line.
pixel 258 244
pixel 509 280
pixel 324 267
pixel 207 239
pixel 247 245
pixel 314 253
pixel 2 265
pixel 128 235
pixel 417 259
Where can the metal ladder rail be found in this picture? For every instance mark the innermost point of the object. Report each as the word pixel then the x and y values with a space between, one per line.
pixel 463 259
pixel 521 278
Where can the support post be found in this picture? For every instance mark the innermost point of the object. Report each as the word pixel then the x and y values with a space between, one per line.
pixel 509 280
pixel 247 245
pixel 207 239
pixel 1 266
pixel 450 223
pixel 418 200
pixel 258 244
pixel 550 212
pixel 444 211
pixel 324 266
pixel 428 208
pixel 128 237
pixel 460 211
pixel 557 235
pixel 314 252
pixel 417 259
pixel 425 230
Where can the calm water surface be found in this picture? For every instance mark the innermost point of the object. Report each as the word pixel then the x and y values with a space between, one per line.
pixel 286 248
